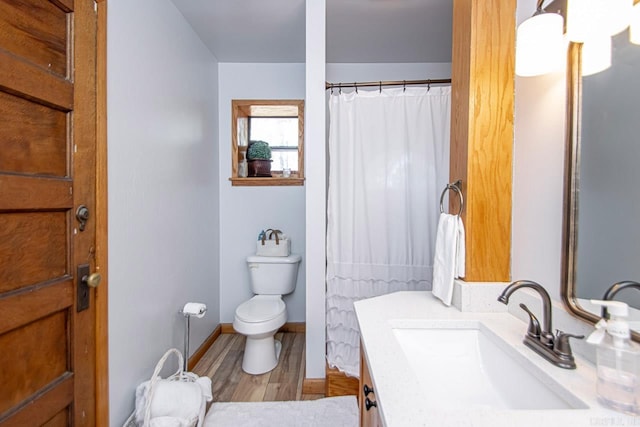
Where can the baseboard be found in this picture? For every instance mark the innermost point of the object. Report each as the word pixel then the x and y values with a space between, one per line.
pixel 227 328
pixel 313 386
pixel 195 358
pixel 293 327
pixel 339 384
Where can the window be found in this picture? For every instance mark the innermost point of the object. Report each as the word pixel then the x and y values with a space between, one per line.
pixel 280 123
pixel 282 135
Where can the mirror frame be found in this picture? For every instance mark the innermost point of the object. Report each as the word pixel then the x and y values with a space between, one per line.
pixel 571 187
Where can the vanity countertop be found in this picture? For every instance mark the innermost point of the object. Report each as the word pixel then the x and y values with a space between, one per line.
pixel 398 391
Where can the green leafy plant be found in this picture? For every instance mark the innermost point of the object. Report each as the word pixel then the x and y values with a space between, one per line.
pixel 258 150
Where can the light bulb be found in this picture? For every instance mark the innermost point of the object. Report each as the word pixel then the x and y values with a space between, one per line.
pixel 540 46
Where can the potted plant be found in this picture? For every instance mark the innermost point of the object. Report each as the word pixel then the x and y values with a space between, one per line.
pixel 259 159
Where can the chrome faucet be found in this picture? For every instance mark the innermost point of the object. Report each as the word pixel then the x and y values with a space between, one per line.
pixel 613 290
pixel 555 349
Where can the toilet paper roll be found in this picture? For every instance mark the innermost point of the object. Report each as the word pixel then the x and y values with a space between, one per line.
pixel 194 309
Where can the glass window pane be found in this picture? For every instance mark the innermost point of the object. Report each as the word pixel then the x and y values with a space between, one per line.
pixel 277 131
pixel 284 159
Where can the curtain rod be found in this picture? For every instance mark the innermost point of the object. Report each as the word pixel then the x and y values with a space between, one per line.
pixel 386 83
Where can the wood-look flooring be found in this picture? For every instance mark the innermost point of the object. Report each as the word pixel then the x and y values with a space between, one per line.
pixel 223 364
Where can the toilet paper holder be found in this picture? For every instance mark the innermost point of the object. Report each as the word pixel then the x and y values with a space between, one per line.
pixel 190 309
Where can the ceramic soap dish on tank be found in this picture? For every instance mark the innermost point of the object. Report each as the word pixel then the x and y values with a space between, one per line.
pixel 273 243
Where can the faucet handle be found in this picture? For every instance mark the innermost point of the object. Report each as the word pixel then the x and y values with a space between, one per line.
pixel 534 326
pixel 561 345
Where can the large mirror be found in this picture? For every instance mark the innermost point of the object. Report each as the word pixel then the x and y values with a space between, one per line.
pixel 602 186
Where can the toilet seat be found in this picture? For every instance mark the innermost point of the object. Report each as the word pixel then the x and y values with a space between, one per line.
pixel 261 308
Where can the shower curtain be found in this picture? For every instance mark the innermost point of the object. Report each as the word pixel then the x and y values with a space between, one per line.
pixel 389 161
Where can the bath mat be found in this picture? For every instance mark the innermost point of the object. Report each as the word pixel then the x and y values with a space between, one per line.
pixel 328 412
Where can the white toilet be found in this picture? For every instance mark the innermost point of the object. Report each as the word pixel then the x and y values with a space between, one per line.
pixel 260 318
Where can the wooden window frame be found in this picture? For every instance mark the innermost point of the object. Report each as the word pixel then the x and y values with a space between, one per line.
pixel 241 111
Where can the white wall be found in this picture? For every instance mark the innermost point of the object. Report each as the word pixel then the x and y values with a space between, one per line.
pixel 538 186
pixel 244 211
pixel 315 170
pixel 359 72
pixel 163 190
pixel 538 170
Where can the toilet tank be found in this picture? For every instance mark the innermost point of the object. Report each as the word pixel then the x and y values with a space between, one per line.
pixel 273 275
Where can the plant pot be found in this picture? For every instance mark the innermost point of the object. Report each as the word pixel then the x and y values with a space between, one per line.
pixel 259 167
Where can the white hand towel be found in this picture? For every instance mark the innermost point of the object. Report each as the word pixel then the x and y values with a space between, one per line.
pixel 461 251
pixel 446 265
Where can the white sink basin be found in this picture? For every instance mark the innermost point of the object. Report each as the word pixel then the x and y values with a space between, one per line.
pixel 464 365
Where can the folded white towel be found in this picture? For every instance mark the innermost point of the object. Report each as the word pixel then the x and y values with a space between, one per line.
pixel 449 256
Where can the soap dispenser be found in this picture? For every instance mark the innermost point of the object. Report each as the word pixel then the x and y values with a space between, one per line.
pixel 618 360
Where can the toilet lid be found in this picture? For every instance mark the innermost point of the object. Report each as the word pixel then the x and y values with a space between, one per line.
pixel 260 308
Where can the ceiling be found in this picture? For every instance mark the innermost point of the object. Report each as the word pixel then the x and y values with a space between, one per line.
pixel 385 31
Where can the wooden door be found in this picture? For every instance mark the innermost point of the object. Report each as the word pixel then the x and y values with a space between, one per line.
pixel 47 170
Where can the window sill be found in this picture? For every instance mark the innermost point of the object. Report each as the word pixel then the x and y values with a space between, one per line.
pixel 266 181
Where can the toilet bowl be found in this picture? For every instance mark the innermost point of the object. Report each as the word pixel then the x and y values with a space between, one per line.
pixel 260 317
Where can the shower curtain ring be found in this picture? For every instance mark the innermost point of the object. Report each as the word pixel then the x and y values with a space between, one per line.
pixel 355 84
pixel 340 88
pixel 428 85
pixel 380 86
pixel 404 85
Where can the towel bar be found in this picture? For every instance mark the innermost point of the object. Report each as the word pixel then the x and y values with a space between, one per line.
pixel 457 187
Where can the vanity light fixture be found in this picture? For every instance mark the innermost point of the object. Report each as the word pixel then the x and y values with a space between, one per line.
pixel 540 46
